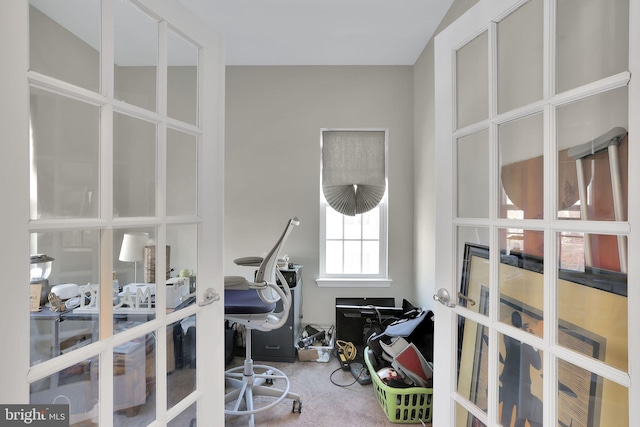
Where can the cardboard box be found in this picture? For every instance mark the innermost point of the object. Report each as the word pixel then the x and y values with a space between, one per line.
pixel 315 352
pixel 307 354
pixel 34 299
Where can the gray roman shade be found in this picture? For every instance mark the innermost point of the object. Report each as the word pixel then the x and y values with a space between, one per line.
pixel 353 170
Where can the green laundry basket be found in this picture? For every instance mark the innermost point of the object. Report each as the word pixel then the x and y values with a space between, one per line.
pixel 402 405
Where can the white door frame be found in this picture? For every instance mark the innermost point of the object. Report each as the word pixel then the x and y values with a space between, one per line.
pixel 14 252
pixel 471 24
pixel 14 225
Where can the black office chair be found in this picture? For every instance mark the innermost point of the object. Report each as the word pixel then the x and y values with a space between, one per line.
pixel 253 304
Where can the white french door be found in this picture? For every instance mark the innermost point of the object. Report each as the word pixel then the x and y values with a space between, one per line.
pixel 113 119
pixel 537 106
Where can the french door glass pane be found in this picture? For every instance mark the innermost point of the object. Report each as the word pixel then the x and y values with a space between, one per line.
pixel 188 417
pixel 134 162
pixel 520 375
pixel 134 263
pixel 134 382
pixel 181 360
pixel 472 81
pixel 582 252
pixel 473 369
pixel 592 41
pixel 71 272
pixel 587 399
pixel 473 268
pixel 592 138
pixel 601 331
pixel 183 243
pixel 571 253
pixel 520 57
pixel 520 145
pixel 136 56
pixel 76 386
pixel 182 173
pixel 473 175
pixel 465 419
pixel 62 46
pixel 521 279
pixel 64 146
pixel 182 79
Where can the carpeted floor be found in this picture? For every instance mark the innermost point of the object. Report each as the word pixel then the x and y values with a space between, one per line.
pixel 323 402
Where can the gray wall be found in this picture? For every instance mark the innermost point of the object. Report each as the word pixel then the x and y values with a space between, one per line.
pixel 424 153
pixel 272 165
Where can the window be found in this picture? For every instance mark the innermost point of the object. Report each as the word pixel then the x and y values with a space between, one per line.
pixel 353 247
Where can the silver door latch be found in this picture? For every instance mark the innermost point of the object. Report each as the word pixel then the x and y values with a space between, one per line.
pixel 443 297
pixel 210 296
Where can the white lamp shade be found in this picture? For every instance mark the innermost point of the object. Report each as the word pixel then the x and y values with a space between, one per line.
pixel 132 247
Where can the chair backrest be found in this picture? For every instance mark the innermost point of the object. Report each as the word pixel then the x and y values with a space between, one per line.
pixel 259 298
pixel 269 264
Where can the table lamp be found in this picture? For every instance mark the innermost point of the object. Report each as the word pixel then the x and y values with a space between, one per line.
pixel 132 249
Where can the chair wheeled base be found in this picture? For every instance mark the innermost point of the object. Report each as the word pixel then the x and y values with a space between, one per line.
pixel 253 380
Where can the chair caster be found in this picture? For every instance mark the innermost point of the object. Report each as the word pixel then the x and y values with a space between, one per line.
pixel 297 404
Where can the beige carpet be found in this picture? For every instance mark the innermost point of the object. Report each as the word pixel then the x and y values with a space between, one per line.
pixel 323 403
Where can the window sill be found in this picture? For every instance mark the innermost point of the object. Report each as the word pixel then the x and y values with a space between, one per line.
pixel 353 283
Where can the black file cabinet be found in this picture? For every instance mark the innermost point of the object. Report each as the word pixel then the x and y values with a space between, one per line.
pixel 279 345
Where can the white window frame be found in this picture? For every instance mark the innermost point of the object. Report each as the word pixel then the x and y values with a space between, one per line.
pixel 381 279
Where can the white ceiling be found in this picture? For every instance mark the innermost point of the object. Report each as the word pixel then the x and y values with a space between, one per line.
pixel 322 32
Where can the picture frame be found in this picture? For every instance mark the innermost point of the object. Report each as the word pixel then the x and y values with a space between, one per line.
pixel 580 393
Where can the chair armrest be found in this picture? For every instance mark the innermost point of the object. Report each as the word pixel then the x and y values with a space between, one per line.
pixel 258 286
pixel 241 283
pixel 236 282
pixel 249 261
